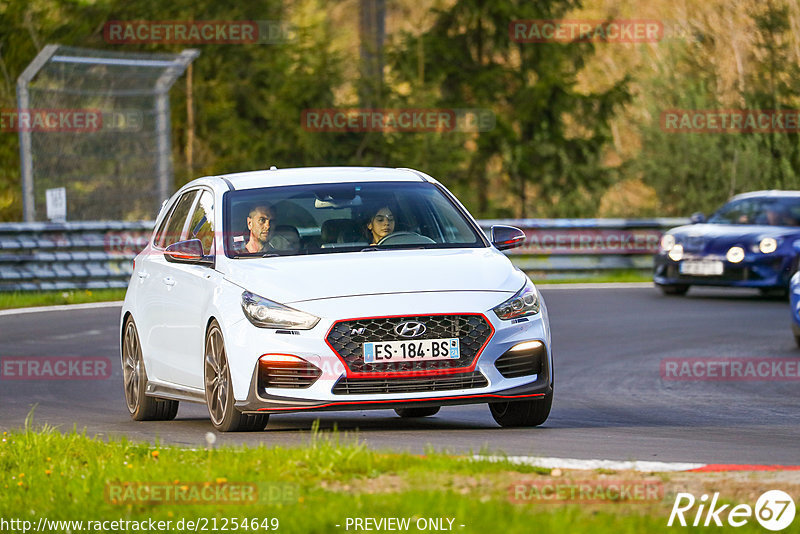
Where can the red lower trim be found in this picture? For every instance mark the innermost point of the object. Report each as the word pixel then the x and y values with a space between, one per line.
pixel 401 401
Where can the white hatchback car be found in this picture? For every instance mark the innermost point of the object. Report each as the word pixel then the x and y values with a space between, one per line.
pixel 341 288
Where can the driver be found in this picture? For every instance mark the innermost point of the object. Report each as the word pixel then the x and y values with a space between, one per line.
pixel 380 225
pixel 259 222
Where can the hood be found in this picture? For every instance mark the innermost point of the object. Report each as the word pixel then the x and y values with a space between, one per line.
pixel 293 279
pixel 711 237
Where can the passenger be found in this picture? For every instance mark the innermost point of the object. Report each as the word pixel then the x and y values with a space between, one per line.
pixel 380 225
pixel 778 216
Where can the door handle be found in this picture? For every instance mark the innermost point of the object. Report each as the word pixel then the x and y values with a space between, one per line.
pixel 169 281
pixel 142 275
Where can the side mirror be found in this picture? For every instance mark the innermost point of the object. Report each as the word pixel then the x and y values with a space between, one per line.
pixel 506 237
pixel 698 218
pixel 190 251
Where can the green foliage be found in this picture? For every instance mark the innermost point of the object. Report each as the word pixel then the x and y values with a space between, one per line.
pixel 700 171
pixel 549 135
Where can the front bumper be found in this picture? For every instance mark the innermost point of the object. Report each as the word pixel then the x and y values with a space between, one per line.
pixel 260 403
pixel 765 271
pixel 339 388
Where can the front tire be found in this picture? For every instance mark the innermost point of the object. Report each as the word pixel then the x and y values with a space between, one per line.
pixel 407 413
pixel 674 290
pixel 219 389
pixel 141 406
pixel 522 413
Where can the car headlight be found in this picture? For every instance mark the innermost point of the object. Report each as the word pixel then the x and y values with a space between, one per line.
pixel 525 302
pixel 735 254
pixel 676 253
pixel 265 313
pixel 667 242
pixel 768 245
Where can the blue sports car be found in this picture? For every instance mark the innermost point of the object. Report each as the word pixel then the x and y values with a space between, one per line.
pixel 794 298
pixel 749 242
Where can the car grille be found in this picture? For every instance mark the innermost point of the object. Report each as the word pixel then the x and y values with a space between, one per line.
pixel 278 375
pixel 346 338
pixel 368 386
pixel 522 363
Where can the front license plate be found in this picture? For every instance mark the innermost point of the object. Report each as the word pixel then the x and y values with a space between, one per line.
pixel 701 268
pixel 401 351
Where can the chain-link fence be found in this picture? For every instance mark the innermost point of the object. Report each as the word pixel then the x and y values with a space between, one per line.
pixel 97 123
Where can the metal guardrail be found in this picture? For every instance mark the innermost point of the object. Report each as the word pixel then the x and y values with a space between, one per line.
pixel 581 248
pixel 98 254
pixel 76 255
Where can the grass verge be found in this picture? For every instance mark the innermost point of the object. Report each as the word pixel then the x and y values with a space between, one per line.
pixel 606 277
pixel 314 488
pixel 26 299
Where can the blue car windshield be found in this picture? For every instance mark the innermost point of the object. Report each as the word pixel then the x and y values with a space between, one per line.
pixel 344 217
pixel 770 211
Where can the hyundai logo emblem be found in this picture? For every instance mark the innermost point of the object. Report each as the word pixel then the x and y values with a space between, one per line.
pixel 410 329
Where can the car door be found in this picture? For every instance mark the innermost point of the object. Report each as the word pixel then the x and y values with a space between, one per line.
pixel 187 289
pixel 156 303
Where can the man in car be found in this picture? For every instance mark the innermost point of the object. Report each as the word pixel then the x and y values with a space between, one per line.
pixel 259 221
pixel 266 236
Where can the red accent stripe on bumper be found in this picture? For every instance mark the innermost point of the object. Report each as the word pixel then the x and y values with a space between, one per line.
pixel 401 401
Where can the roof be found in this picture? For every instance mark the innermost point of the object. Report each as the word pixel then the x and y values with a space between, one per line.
pixel 776 193
pixel 322 175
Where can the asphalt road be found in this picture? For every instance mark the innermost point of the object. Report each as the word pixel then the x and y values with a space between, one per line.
pixel 610 402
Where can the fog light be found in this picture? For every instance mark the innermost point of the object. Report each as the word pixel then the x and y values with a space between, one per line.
pixel 735 255
pixel 525 345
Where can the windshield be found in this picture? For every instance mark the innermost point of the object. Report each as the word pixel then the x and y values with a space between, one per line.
pixel 770 211
pixel 335 218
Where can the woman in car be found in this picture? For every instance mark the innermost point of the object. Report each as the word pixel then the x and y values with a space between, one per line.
pixel 380 224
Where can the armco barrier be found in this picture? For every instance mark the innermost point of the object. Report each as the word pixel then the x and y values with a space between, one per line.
pixel 577 248
pixel 56 256
pixel 98 254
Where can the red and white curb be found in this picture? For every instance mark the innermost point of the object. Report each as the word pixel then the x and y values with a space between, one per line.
pixel 633 465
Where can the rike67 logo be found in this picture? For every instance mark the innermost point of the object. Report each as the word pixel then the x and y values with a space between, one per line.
pixel 774 510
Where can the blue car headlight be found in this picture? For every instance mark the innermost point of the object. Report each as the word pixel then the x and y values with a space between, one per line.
pixel 768 245
pixel 524 302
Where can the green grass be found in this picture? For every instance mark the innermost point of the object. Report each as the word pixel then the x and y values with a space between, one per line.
pixel 45 473
pixel 25 299
pixel 601 278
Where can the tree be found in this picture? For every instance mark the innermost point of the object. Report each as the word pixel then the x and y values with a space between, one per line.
pixel 549 135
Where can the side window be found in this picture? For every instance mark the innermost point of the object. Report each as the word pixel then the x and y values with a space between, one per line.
pixel 172 231
pixel 201 225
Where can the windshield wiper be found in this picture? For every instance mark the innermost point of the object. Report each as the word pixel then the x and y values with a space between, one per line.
pixel 395 247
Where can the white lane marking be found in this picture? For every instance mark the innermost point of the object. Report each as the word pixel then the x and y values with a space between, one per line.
pixel 614 465
pixel 597 285
pixel 62 307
